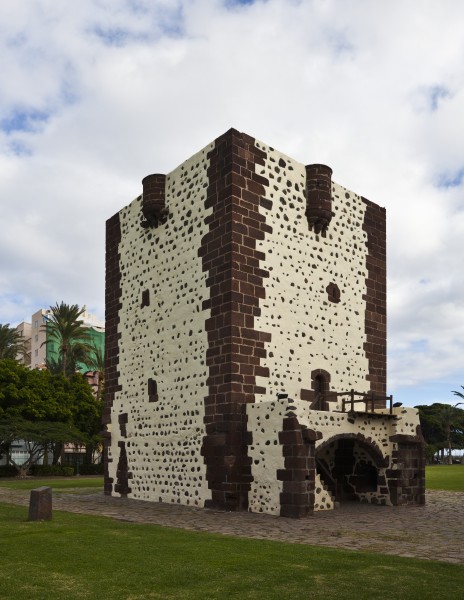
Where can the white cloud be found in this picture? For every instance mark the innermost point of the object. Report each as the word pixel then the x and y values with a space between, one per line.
pixel 98 95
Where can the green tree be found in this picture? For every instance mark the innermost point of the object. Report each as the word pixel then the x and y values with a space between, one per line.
pixel 460 395
pixel 46 411
pixel 65 328
pixel 11 342
pixel 86 414
pixel 443 428
pixel 38 438
pixel 447 416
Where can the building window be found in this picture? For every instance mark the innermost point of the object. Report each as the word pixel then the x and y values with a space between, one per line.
pixel 319 391
pixel 152 390
pixel 36 324
pixel 321 388
pixel 145 298
pixel 333 292
pixel 36 353
pixel 37 338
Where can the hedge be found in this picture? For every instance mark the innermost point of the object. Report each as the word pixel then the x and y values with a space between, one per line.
pixel 8 471
pixel 91 469
pixel 46 470
pixel 50 470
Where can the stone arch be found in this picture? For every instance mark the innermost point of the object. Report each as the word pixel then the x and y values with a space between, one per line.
pixel 375 451
pixel 352 467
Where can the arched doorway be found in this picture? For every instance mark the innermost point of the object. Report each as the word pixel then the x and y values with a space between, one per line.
pixel 352 469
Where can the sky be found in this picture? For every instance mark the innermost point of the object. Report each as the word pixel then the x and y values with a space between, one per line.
pixel 96 94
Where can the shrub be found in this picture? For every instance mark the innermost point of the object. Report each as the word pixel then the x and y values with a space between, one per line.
pixel 91 469
pixel 46 470
pixel 8 471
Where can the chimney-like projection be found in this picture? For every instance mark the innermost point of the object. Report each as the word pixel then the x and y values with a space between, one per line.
pixel 154 199
pixel 318 197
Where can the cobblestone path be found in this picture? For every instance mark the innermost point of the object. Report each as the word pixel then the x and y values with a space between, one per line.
pixel 434 531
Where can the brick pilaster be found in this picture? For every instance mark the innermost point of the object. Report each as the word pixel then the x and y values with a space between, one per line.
pixel 407 480
pixel 113 304
pixel 299 475
pixel 376 298
pixel 235 281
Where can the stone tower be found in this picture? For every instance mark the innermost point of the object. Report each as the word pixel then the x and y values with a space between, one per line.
pixel 246 341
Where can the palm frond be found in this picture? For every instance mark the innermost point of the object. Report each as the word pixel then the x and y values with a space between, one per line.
pixel 12 343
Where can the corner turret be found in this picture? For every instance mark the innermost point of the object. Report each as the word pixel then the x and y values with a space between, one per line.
pixel 318 197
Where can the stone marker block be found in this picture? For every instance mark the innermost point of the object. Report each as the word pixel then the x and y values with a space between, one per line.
pixel 40 504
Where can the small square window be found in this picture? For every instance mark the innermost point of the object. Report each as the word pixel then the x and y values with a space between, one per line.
pixel 152 390
pixel 333 292
pixel 145 298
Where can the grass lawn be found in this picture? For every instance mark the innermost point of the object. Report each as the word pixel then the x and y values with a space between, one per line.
pixel 86 557
pixel 437 477
pixel 445 477
pixel 59 484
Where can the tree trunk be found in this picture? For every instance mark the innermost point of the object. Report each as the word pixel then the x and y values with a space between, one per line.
pixel 23 470
pixel 99 386
pixel 450 458
pixel 64 352
pixel 57 452
pixel 88 454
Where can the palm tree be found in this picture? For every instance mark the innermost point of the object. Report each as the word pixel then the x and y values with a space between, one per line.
pixel 449 417
pixel 12 343
pixel 65 328
pixel 97 363
pixel 460 394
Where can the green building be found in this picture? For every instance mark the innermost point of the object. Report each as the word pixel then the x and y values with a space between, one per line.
pixel 97 340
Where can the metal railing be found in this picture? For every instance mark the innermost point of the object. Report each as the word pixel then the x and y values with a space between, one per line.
pixel 369 399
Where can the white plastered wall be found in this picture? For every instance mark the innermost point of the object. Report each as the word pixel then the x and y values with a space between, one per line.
pixel 165 341
pixel 308 331
pixel 265 421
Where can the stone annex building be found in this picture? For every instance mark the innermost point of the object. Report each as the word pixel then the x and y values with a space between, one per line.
pixel 246 341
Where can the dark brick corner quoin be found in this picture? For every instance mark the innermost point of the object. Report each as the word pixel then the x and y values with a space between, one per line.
pixel 407 481
pixel 235 280
pixel 299 473
pixel 376 298
pixel 112 306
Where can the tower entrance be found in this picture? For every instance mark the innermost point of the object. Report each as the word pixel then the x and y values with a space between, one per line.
pixel 352 470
